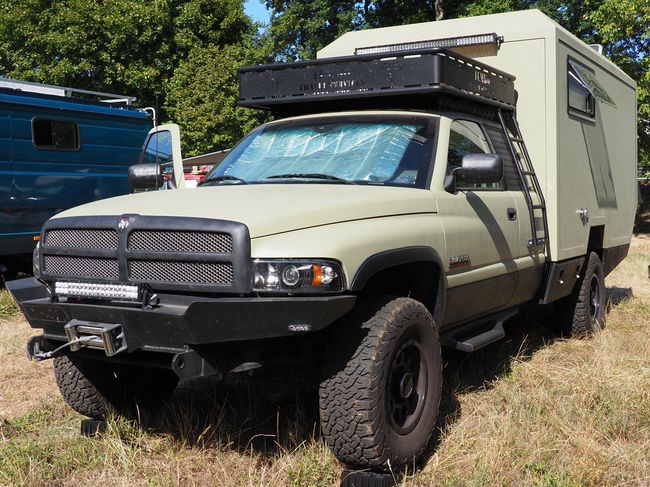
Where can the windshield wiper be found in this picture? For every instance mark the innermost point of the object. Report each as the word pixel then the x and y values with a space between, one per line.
pixel 311 175
pixel 224 177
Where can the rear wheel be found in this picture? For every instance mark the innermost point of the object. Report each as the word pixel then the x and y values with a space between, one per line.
pixel 94 388
pixel 380 397
pixel 583 312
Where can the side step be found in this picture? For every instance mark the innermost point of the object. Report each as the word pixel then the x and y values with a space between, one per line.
pixel 478 334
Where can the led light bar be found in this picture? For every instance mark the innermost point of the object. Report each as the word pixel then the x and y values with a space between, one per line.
pixel 97 290
pixel 450 42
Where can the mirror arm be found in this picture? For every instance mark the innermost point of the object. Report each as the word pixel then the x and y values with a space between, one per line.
pixel 449 184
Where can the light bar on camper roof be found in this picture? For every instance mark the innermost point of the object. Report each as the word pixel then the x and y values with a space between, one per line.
pixel 450 42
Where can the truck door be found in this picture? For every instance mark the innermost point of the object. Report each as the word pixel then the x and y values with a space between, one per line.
pixel 481 231
pixel 163 146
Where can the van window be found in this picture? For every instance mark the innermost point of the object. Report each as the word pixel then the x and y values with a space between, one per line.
pixel 55 134
pixel 581 99
pixel 466 137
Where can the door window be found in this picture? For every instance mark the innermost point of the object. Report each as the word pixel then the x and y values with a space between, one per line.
pixel 466 137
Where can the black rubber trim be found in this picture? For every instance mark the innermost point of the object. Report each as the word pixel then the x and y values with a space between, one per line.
pixel 405 255
pixel 391 258
pixel 613 256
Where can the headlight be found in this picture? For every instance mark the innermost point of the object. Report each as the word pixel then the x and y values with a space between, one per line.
pixel 296 276
pixel 36 264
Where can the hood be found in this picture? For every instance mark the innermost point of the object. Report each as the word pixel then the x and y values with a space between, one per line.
pixel 269 208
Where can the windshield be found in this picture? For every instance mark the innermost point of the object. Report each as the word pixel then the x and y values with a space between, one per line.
pixel 365 150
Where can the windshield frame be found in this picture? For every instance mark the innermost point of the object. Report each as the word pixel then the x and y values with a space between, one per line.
pixel 423 181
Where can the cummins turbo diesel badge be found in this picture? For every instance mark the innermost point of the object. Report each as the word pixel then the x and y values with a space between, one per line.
pixel 458 261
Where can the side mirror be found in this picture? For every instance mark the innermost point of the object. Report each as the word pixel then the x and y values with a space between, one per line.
pixel 145 177
pixel 482 168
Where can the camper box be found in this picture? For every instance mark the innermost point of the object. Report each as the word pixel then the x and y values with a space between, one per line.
pixel 59 148
pixel 576 109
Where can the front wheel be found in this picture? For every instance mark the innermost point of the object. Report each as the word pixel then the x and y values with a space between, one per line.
pixel 380 397
pixel 95 388
pixel 583 312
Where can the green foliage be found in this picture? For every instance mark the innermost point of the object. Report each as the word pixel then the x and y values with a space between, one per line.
pixel 125 46
pixel 299 28
pixel 201 98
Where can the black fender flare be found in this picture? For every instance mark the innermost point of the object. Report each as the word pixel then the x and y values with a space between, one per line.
pixel 404 255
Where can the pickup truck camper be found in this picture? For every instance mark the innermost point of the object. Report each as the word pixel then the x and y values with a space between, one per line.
pixel 419 185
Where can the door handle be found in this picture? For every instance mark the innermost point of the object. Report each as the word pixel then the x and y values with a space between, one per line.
pixel 512 214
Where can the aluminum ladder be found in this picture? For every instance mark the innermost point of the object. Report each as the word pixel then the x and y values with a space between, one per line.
pixel 528 179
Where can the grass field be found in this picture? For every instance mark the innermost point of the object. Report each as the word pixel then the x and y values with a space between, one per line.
pixel 531 410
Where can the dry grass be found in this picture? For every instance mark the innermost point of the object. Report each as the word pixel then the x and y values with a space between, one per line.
pixel 532 410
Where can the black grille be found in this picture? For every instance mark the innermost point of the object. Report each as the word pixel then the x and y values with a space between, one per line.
pixel 81 266
pixel 174 271
pixel 167 253
pixel 82 239
pixel 180 241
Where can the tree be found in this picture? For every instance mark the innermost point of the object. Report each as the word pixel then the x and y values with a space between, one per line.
pixel 202 96
pixel 127 46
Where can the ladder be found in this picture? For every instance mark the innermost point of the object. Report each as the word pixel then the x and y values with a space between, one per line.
pixel 528 179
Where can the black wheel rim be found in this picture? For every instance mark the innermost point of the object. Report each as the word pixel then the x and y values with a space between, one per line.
pixel 407 386
pixel 594 299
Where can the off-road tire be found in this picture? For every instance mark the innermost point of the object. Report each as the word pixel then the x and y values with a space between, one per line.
pixel 582 313
pixel 95 388
pixel 368 416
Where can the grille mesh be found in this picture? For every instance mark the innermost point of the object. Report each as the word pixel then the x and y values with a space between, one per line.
pixel 178 241
pixel 82 239
pixel 172 271
pixel 81 266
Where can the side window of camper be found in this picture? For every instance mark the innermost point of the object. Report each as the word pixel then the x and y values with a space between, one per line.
pixel 466 137
pixel 581 99
pixel 55 134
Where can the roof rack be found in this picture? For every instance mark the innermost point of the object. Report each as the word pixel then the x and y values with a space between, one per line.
pixel 411 79
pixel 54 90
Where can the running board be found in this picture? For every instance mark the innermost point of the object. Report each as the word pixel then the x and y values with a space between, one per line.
pixel 478 334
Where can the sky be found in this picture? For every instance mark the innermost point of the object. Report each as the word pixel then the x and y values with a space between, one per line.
pixel 256 10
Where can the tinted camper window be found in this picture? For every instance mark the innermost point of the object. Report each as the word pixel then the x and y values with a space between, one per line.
pixel 581 99
pixel 55 134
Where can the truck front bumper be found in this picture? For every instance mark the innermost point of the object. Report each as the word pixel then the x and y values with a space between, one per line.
pixel 180 321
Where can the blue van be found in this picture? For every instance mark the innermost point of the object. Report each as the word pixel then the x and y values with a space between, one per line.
pixel 59 148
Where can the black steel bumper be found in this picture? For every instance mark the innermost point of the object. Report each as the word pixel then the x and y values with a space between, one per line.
pixel 180 321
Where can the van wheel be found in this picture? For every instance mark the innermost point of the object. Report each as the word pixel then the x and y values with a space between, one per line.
pixel 583 312
pixel 95 388
pixel 381 393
